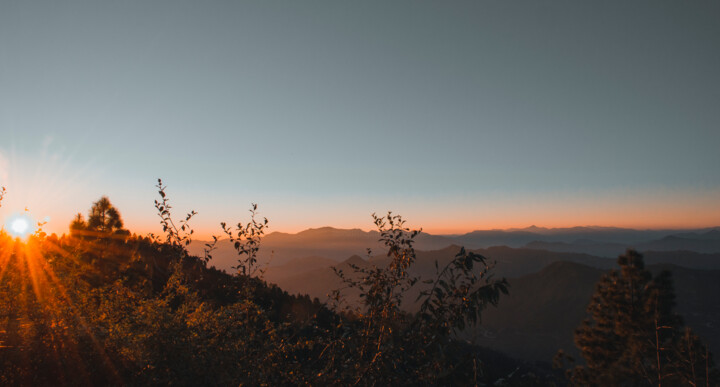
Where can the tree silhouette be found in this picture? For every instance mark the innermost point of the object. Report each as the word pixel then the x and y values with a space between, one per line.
pixel 78 224
pixel 104 217
pixel 633 337
pixel 386 345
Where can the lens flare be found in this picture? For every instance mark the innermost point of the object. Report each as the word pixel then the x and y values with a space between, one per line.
pixel 20 225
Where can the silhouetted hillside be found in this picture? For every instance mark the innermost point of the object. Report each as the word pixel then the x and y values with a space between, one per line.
pixel 598 235
pixel 548 297
pixel 338 244
pixel 319 281
pixel 704 242
pixel 317 278
pixel 687 259
pixel 543 309
pixel 584 246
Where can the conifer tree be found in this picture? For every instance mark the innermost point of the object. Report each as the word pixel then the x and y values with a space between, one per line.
pixel 78 224
pixel 633 337
pixel 104 217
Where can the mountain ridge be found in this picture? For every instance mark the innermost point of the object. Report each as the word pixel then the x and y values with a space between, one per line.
pixel 337 244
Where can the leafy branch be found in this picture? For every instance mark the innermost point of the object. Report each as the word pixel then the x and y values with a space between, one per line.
pixel 459 294
pixel 178 236
pixel 246 241
pixel 390 339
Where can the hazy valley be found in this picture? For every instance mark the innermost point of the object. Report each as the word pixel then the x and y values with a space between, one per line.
pixel 552 274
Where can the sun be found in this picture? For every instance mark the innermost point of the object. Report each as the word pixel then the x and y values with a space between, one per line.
pixel 20 225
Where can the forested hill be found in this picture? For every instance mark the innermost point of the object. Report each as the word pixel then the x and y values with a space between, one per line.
pixel 101 306
pixel 110 308
pixel 543 310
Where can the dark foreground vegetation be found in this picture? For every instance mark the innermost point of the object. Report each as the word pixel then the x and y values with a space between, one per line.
pixel 104 307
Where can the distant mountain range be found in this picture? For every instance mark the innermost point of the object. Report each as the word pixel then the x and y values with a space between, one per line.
pixel 520 237
pixel 549 292
pixel 314 275
pixel 338 244
pixel 702 242
pixel 552 274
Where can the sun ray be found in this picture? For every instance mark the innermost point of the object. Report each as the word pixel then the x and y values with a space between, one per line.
pixel 43 296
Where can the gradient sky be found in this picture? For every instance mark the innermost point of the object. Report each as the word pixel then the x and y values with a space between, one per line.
pixel 459 115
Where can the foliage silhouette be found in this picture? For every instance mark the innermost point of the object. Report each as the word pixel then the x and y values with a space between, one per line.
pixel 104 217
pixel 78 225
pixel 180 235
pixel 391 346
pixel 143 311
pixel 246 241
pixel 633 337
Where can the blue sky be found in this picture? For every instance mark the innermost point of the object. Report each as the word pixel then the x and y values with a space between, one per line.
pixel 458 115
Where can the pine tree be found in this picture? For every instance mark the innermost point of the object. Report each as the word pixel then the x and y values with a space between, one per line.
pixel 104 217
pixel 633 337
pixel 78 224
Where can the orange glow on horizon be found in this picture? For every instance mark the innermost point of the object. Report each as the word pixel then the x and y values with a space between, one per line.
pixel 619 216
pixel 631 214
pixel 639 209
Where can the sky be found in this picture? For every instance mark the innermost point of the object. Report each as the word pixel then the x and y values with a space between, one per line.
pixel 458 115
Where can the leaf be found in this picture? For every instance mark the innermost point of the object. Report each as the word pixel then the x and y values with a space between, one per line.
pixel 443 284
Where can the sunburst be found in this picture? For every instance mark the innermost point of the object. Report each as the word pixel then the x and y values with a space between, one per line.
pixel 20 225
